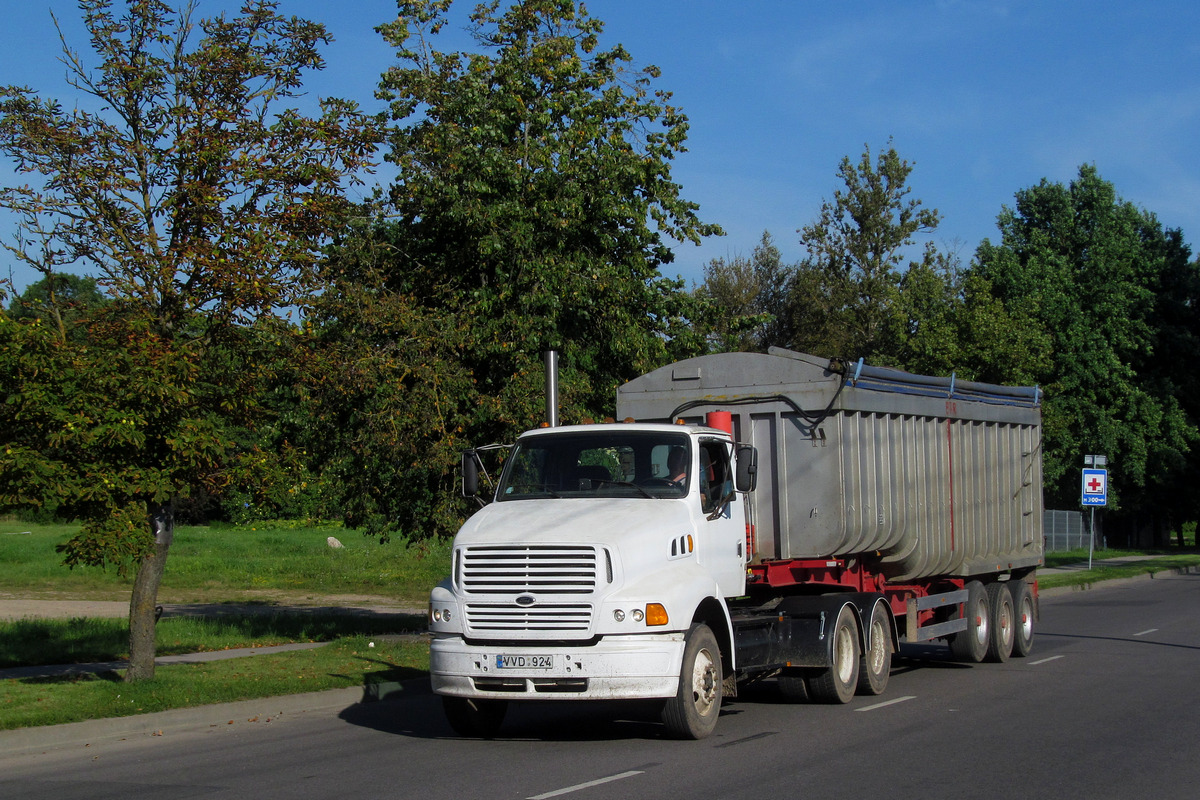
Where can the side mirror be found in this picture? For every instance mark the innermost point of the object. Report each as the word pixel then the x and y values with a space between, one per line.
pixel 470 474
pixel 747 468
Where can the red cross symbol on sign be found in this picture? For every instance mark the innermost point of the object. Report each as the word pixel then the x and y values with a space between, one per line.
pixel 1095 484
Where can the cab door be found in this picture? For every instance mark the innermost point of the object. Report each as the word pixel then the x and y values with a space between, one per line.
pixel 721 525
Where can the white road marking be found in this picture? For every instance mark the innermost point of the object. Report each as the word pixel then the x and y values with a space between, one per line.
pixel 577 787
pixel 1043 661
pixel 888 703
pixel 1143 633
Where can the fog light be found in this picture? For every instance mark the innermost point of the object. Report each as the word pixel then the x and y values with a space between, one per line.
pixel 446 615
pixel 638 616
pixel 619 615
pixel 437 615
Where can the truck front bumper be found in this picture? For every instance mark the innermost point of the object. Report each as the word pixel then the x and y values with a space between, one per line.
pixel 616 667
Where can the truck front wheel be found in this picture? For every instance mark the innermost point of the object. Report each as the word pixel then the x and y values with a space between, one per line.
pixel 473 718
pixel 692 713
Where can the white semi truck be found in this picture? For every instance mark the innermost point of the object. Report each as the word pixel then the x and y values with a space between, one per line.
pixel 756 516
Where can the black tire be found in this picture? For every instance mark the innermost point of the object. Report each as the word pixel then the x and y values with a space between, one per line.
pixel 692 713
pixel 793 685
pixel 1001 623
pixel 838 682
pixel 971 645
pixel 876 665
pixel 475 718
pixel 1023 617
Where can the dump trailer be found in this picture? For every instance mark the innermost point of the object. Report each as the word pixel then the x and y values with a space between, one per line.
pixel 754 516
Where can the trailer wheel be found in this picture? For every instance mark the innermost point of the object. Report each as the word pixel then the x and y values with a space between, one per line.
pixel 692 713
pixel 837 682
pixel 1022 601
pixel 876 665
pixel 474 718
pixel 1000 607
pixel 971 645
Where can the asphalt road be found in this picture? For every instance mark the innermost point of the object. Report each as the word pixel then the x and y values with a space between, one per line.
pixel 1105 707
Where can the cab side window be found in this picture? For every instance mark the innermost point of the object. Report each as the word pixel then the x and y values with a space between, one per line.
pixel 716 477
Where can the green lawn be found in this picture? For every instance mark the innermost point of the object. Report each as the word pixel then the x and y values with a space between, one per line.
pixel 214 564
pixel 264 565
pixel 345 662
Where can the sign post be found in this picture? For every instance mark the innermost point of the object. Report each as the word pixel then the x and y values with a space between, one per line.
pixel 1095 492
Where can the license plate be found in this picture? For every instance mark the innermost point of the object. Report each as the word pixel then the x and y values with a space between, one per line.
pixel 524 662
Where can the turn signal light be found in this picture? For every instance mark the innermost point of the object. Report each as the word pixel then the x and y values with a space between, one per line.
pixel 656 614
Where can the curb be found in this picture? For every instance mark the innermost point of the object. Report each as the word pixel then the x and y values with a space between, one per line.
pixel 260 711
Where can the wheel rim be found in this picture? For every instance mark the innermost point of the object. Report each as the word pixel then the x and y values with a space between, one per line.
pixel 704 682
pixel 981 624
pixel 879 647
pixel 1026 618
pixel 1006 624
pixel 843 647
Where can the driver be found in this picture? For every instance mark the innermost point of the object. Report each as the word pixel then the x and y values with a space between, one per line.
pixel 677 465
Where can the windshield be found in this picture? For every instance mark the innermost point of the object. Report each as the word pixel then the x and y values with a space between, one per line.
pixel 597 464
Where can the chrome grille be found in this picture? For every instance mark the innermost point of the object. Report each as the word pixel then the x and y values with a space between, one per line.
pixel 542 570
pixel 506 617
pixel 529 591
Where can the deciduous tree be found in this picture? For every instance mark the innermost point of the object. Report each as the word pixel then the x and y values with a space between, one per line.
pixel 845 296
pixel 535 184
pixel 200 201
pixel 1092 268
pixel 534 209
pixel 747 297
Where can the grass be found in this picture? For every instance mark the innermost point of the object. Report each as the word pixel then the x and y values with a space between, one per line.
pixel 344 663
pixel 80 641
pixel 262 565
pixel 209 564
pixel 1164 560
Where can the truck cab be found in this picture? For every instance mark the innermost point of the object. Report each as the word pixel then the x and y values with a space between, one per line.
pixel 603 559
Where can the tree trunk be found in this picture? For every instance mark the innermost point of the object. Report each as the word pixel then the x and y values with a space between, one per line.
pixel 143 602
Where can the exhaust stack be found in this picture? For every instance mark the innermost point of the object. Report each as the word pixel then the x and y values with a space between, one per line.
pixel 551 362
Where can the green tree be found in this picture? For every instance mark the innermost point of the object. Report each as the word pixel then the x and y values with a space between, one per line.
pixel 533 210
pixel 201 204
pixel 535 184
pixel 60 298
pixel 747 298
pixel 1091 269
pixel 845 297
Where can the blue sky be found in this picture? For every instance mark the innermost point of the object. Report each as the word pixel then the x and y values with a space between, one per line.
pixel 985 97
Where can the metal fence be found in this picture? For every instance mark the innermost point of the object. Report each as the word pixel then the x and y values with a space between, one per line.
pixel 1065 530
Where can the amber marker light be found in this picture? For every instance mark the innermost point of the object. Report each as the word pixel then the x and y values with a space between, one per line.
pixel 656 614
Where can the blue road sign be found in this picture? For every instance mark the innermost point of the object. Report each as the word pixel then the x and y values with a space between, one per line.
pixel 1095 487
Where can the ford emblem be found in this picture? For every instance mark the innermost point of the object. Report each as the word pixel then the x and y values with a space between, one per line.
pixel 526 600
